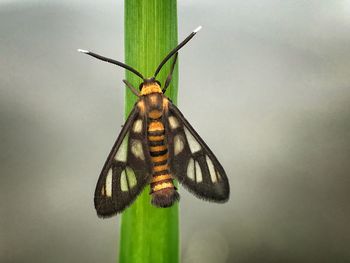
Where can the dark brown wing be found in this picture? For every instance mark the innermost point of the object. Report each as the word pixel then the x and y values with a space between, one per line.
pixel 127 169
pixel 191 160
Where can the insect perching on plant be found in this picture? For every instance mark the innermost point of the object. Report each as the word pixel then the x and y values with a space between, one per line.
pixel 155 146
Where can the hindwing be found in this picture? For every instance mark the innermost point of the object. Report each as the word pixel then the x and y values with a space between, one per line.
pixel 127 169
pixel 191 161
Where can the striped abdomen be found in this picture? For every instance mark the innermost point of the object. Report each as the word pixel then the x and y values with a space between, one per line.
pixel 163 191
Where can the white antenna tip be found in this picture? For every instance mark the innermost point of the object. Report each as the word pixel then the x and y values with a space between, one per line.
pixel 197 29
pixel 83 51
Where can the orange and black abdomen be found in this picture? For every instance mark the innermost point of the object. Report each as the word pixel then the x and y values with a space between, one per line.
pixel 163 191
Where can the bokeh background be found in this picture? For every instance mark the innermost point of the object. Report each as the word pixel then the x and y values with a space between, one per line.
pixel 265 83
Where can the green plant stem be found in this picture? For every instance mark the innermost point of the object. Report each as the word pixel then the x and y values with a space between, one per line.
pixel 149 234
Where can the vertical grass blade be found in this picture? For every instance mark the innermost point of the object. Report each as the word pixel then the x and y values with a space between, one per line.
pixel 149 234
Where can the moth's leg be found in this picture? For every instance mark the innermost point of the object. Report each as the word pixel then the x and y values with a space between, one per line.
pixel 131 87
pixel 168 79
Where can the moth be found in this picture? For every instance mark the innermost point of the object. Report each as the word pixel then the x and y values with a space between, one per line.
pixel 156 146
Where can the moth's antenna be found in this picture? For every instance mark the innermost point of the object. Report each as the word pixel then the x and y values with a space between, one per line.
pixel 176 49
pixel 109 60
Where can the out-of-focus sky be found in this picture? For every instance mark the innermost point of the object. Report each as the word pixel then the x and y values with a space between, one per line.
pixel 277 73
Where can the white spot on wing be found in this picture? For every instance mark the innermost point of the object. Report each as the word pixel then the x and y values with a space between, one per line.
pixel 122 151
pixel 218 175
pixel 178 144
pixel 194 145
pixel 123 182
pixel 174 123
pixel 199 177
pixel 190 169
pixel 127 177
pixel 137 128
pixel 211 169
pixel 131 177
pixel 136 149
pixel 108 184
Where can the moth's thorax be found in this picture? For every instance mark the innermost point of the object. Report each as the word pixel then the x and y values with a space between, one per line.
pixel 149 88
pixel 153 105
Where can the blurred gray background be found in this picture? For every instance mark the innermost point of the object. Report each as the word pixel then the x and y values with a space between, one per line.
pixel 277 73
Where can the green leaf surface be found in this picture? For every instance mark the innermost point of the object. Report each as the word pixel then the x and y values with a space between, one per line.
pixel 149 234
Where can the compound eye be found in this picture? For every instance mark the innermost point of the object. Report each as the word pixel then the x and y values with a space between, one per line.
pixel 140 87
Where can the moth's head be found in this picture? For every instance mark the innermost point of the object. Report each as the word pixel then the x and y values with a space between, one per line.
pixel 150 85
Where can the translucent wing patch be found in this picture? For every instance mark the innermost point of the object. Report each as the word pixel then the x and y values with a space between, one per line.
pixel 192 142
pixel 127 169
pixel 127 179
pixel 191 160
pixel 194 171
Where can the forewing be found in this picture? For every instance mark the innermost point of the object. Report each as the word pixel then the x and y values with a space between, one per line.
pixel 127 169
pixel 191 160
